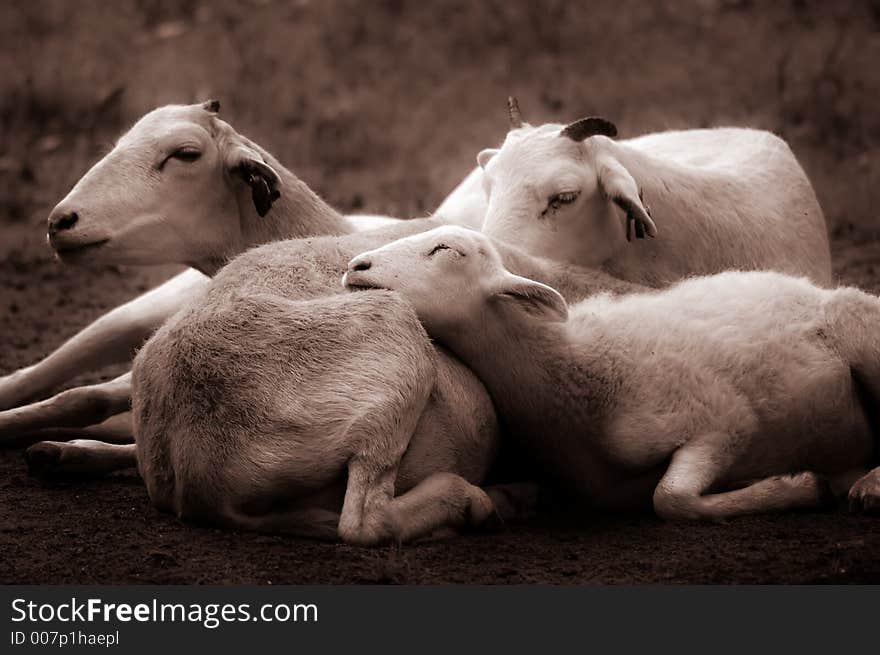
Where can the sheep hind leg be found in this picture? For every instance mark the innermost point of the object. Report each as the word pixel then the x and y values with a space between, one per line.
pixel 110 339
pixel 439 503
pixel 74 408
pixel 91 451
pixel 117 429
pixel 80 457
pixel 437 507
pixel 864 495
pixel 681 493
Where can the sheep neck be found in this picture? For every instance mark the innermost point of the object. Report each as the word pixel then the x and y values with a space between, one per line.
pixel 298 213
pixel 673 191
pixel 551 393
pixel 575 283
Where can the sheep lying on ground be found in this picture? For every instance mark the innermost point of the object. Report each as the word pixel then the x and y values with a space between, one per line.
pixel 721 199
pixel 723 395
pixel 181 186
pixel 251 404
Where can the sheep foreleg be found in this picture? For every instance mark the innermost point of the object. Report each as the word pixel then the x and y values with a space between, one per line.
pixel 111 339
pixel 74 408
pixel 79 457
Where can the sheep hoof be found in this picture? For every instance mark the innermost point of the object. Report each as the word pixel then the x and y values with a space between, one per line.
pixel 864 495
pixel 44 459
pixel 511 502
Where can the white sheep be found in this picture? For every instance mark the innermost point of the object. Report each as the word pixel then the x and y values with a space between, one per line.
pixel 251 404
pixel 209 202
pixel 467 203
pixel 275 403
pixel 723 395
pixel 181 186
pixel 719 199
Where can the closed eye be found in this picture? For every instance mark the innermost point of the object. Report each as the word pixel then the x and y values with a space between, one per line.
pixel 558 200
pixel 186 154
pixel 442 246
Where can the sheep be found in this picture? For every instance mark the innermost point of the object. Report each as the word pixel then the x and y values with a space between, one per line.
pixel 719 199
pixel 466 204
pixel 723 395
pixel 251 403
pixel 181 186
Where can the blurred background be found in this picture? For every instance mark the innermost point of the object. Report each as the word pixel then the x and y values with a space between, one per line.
pixel 382 105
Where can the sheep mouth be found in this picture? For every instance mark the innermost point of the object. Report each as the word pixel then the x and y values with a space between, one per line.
pixel 66 250
pixel 354 282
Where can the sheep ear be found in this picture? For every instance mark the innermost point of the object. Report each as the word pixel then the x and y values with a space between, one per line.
pixel 246 163
pixel 620 188
pixel 534 298
pixel 485 155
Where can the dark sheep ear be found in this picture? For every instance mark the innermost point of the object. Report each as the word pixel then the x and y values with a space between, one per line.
pixel 620 187
pixel 261 193
pixel 587 127
pixel 212 106
pixel 246 163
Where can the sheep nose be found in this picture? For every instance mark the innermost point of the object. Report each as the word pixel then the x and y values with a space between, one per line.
pixel 58 222
pixel 361 264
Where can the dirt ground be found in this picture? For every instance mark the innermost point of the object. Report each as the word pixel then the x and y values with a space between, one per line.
pixel 382 109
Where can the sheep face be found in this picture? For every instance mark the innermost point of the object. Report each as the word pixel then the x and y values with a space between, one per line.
pixel 169 191
pixel 548 195
pixel 450 275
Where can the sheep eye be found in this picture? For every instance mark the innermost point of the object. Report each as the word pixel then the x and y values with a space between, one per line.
pixel 558 200
pixel 443 246
pixel 188 155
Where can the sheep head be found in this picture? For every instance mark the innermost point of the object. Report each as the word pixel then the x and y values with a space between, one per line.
pixel 562 192
pixel 449 275
pixel 170 191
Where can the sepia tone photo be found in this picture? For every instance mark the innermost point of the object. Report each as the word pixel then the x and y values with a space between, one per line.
pixel 443 292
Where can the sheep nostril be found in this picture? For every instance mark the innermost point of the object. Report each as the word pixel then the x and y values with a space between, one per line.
pixel 62 222
pixel 362 265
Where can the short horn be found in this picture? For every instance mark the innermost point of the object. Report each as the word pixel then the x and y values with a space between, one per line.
pixel 516 120
pixel 587 127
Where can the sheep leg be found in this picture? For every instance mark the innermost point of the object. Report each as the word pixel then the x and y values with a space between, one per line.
pixel 439 504
pixel 380 440
pixel 110 339
pixel 864 495
pixel 515 501
pixel 116 429
pixel 79 407
pixel 435 506
pixel 681 493
pixel 79 457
